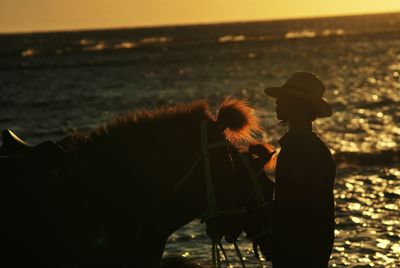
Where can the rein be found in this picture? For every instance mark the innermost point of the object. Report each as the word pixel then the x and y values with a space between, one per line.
pixel 260 202
pixel 213 210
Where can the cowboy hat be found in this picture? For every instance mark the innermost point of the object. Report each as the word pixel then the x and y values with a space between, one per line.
pixel 305 86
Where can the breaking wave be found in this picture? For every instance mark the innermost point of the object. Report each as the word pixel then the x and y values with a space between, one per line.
pixel 313 34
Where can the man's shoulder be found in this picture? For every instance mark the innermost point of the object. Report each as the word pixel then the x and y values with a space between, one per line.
pixel 317 141
pixel 305 144
pixel 317 146
pixel 298 139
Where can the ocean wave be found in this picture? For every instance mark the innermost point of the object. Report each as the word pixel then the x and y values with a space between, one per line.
pixel 155 40
pixel 98 47
pixel 29 52
pixel 288 35
pixel 104 46
pixel 246 38
pixel 312 34
pixel 384 157
pixel 329 32
pixel 125 45
pixel 87 45
pixel 86 42
pixel 231 38
pixel 300 34
pixel 91 45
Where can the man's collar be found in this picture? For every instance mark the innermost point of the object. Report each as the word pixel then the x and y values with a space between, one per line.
pixel 295 135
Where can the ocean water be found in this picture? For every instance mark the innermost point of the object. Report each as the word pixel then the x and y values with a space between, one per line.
pixel 54 83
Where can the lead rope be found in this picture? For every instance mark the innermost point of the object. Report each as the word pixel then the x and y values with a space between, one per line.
pixel 257 255
pixel 213 254
pixel 260 200
pixel 224 253
pixel 257 189
pixel 218 257
pixel 217 248
pixel 237 249
pixel 212 203
pixel 177 185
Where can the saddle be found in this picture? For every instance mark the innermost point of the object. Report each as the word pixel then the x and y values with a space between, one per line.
pixel 13 145
pixel 16 153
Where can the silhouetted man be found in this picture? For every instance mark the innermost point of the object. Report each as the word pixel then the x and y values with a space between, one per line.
pixel 303 224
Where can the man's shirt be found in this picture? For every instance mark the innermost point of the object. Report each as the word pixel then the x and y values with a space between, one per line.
pixel 303 225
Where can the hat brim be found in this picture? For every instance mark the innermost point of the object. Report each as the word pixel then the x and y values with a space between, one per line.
pixel 322 107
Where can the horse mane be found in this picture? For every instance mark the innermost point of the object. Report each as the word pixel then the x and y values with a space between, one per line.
pixel 235 117
pixel 145 120
pixel 183 112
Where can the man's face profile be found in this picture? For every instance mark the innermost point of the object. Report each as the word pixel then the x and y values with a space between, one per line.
pixel 293 108
pixel 283 104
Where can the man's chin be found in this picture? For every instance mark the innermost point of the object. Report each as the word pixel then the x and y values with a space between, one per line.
pixel 279 117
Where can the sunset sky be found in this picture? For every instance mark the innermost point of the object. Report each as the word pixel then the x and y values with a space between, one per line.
pixel 47 15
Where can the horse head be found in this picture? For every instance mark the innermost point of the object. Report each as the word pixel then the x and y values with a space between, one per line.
pixel 250 167
pixel 237 183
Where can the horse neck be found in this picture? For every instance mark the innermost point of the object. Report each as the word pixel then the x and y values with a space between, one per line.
pixel 170 209
pixel 163 218
pixel 168 212
pixel 154 216
pixel 160 209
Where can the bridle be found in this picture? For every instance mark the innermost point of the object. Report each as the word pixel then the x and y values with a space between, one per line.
pixel 213 211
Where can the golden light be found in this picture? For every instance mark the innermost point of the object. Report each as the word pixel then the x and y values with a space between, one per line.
pixel 33 15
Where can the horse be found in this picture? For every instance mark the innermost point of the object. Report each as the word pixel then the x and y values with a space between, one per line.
pixel 113 196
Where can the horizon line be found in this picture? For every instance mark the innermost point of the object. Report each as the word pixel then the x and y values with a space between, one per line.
pixel 112 28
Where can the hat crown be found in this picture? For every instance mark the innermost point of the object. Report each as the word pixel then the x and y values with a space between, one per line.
pixel 305 86
pixel 307 83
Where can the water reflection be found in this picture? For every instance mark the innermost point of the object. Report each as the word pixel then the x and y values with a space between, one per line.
pixel 367 233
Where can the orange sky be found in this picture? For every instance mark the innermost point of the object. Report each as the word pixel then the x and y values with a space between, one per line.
pixel 45 15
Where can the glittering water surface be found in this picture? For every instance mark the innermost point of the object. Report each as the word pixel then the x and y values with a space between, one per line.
pixel 52 84
pixel 367 231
